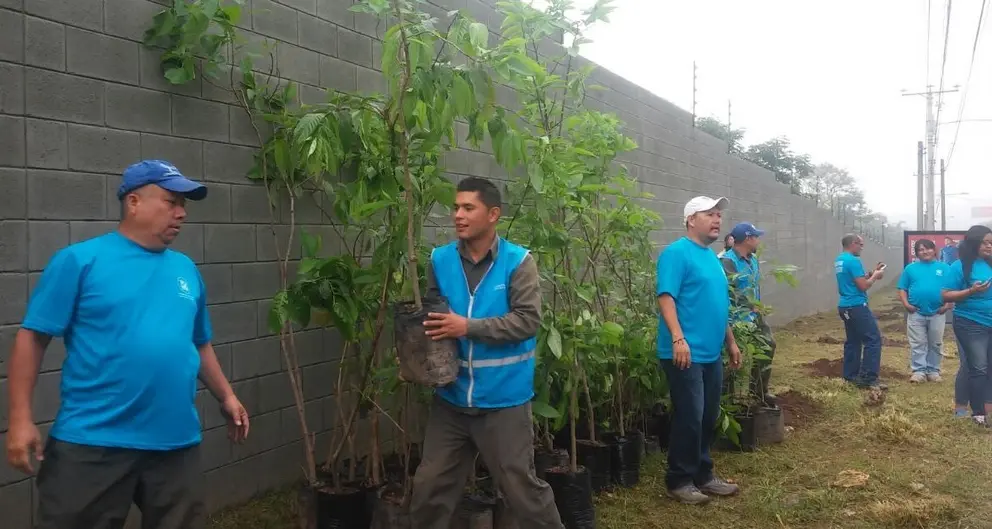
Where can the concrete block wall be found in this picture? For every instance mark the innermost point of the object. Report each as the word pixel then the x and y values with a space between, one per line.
pixel 81 98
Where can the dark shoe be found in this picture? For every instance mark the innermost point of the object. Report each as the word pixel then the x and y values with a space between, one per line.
pixel 719 487
pixel 689 495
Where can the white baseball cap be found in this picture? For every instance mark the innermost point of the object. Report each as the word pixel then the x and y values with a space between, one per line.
pixel 700 204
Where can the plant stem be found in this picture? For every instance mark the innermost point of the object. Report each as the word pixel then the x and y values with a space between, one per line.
pixel 591 418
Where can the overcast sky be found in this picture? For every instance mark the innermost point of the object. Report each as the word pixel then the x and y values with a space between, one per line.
pixel 826 74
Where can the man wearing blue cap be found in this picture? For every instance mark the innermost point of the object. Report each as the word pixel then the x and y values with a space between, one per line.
pixel 744 272
pixel 133 316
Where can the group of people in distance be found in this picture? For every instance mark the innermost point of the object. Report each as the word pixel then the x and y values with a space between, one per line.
pixel 929 289
pixel 134 317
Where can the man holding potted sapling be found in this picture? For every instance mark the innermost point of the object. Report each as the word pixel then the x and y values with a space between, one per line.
pixel 492 287
pixel 692 332
pixel 742 268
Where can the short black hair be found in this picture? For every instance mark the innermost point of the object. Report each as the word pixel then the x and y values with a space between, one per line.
pixel 925 243
pixel 488 192
pixel 848 240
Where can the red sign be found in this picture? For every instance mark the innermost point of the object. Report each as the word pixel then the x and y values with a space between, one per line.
pixel 941 239
pixel 981 212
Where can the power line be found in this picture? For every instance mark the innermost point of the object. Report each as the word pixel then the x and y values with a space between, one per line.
pixel 927 81
pixel 940 86
pixel 964 95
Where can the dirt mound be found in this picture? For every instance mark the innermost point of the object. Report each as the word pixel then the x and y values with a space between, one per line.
pixel 798 409
pixel 890 316
pixel 894 342
pixel 835 369
pixel 895 327
pixel 829 339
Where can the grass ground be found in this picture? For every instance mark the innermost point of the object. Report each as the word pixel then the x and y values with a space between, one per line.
pixel 902 464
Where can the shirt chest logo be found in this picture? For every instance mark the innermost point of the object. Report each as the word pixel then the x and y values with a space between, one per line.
pixel 184 290
pixel 940 273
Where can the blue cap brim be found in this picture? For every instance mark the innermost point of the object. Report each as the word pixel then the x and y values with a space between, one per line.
pixel 188 188
pixel 759 233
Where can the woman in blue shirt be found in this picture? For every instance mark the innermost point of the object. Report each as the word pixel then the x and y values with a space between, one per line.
pixel 920 292
pixel 968 288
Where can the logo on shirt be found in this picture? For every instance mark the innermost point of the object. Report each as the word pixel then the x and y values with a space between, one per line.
pixel 184 289
pixel 940 273
pixel 501 286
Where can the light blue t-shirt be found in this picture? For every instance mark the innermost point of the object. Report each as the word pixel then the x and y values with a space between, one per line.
pixel 132 321
pixel 848 267
pixel 923 283
pixel 693 276
pixel 747 282
pixel 978 306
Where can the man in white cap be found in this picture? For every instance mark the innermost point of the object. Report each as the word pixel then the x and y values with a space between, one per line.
pixel 692 332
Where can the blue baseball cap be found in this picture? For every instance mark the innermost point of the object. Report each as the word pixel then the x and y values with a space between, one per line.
pixel 162 174
pixel 744 230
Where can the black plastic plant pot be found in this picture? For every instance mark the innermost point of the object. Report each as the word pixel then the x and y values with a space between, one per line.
pixel 748 440
pixel 573 497
pixel 389 511
pixel 325 508
pixel 544 459
pixel 662 428
pixel 651 445
pixel 625 457
pixel 595 456
pixel 474 512
pixel 422 360
pixel 769 426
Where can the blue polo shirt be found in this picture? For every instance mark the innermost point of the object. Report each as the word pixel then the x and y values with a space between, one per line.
pixel 977 307
pixel 132 321
pixel 847 267
pixel 923 283
pixel 747 281
pixel 693 276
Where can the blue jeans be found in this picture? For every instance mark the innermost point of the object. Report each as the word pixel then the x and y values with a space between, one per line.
pixel 975 344
pixel 695 395
pixel 863 347
pixel 926 342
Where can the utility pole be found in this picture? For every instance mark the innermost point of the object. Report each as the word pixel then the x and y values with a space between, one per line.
pixel 943 199
pixel 919 186
pixel 693 94
pixel 929 213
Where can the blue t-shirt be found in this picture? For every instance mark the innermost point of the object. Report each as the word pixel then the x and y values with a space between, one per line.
pixel 132 321
pixel 747 282
pixel 923 283
pixel 949 254
pixel 693 276
pixel 977 307
pixel 848 267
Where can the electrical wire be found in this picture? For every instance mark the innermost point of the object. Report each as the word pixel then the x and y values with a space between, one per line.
pixel 964 93
pixel 943 64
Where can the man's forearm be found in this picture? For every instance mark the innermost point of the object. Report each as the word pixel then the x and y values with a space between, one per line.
pixel 212 375
pixel 729 337
pixel 22 372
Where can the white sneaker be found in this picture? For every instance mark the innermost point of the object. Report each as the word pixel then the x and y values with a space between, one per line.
pixel 917 378
pixel 933 377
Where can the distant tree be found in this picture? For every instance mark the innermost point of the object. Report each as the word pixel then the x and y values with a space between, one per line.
pixel 716 128
pixel 776 155
pixel 827 182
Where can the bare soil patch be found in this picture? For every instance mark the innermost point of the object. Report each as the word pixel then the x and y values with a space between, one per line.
pixel 799 410
pixel 835 369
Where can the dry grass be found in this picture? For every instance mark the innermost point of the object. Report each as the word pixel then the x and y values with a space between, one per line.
pixel 925 468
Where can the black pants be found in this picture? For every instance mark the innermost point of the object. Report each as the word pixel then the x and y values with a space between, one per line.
pixel 91 487
pixel 761 371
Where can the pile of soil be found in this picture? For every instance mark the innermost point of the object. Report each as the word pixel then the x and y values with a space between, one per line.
pixel 895 327
pixel 894 342
pixel 835 369
pixel 798 409
pixel 890 316
pixel 829 340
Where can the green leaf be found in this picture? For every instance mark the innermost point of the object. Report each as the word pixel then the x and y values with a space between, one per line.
pixel 178 76
pixel 306 127
pixel 536 176
pixel 544 410
pixel 478 35
pixel 554 342
pixel 311 244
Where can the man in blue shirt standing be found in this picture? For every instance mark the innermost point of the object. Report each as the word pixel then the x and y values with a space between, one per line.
pixel 133 316
pixel 744 273
pixel 692 332
pixel 949 253
pixel 863 347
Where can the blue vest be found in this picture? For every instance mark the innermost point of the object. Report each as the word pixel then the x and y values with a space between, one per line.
pixel 748 281
pixel 490 376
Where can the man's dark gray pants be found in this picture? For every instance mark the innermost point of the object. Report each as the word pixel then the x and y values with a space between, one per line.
pixel 92 487
pixel 505 439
